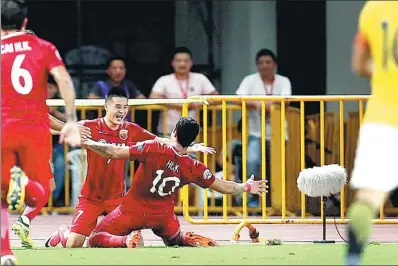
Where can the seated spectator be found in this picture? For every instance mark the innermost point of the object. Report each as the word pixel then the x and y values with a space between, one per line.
pixel 264 82
pixel 58 159
pixel 116 71
pixel 180 85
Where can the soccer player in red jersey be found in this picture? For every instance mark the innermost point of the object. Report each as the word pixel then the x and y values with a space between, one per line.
pixel 25 141
pixel 21 226
pixel 150 201
pixel 104 189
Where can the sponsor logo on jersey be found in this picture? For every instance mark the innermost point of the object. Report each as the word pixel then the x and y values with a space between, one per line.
pixel 123 134
pixel 207 174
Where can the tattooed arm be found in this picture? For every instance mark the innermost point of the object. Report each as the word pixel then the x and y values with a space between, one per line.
pixel 108 150
pixel 228 187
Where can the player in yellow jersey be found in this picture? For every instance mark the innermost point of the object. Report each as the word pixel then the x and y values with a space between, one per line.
pixel 375 174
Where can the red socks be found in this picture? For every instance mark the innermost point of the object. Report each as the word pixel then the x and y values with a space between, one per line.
pixel 105 240
pixel 30 212
pixel 35 194
pixel 5 241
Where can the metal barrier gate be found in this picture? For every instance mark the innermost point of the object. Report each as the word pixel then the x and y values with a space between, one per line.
pixel 279 183
pixel 330 129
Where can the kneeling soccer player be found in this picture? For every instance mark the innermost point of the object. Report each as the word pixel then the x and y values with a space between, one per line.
pixel 150 201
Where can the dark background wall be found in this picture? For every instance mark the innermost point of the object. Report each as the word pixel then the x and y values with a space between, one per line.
pixel 143 32
pixel 302 47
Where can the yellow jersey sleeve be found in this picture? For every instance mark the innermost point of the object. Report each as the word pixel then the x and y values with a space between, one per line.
pixel 362 36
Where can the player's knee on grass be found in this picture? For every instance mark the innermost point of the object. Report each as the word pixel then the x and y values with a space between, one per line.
pixel 75 240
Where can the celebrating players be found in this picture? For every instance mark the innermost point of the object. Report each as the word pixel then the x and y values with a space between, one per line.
pixel 26 60
pixel 103 189
pixel 149 203
pixel 375 173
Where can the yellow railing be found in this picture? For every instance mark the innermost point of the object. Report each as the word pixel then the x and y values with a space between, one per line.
pixel 287 158
pixel 335 137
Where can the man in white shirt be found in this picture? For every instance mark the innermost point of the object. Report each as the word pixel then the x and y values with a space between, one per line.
pixel 264 82
pixel 179 85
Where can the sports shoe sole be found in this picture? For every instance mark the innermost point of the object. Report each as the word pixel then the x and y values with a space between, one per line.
pixel 23 233
pixel 16 189
pixel 135 240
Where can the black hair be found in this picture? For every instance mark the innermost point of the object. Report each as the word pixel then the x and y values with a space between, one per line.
pixel 113 58
pixel 182 49
pixel 116 92
pixel 13 13
pixel 187 129
pixel 265 52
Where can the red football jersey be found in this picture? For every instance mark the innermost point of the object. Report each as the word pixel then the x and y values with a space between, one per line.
pixel 162 172
pixel 105 177
pixel 26 61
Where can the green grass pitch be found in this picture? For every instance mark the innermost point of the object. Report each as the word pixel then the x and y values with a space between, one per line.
pixel 238 254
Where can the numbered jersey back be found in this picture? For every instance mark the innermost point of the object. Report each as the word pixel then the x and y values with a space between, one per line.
pixel 163 171
pixel 25 63
pixel 378 23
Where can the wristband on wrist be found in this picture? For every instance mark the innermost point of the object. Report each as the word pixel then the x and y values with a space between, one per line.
pixel 247 187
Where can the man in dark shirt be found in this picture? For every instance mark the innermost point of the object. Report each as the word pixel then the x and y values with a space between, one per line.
pixel 116 71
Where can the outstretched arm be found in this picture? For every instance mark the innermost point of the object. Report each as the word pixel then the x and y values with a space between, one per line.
pixel 230 187
pixel 108 150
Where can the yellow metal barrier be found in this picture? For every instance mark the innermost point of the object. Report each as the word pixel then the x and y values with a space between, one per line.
pixel 287 158
pixel 327 130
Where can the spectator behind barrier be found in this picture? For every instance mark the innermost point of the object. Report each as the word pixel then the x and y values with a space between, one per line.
pixel 264 82
pixel 116 71
pixel 58 159
pixel 180 85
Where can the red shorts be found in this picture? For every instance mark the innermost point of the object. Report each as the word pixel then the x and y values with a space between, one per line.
pixel 87 212
pixel 121 222
pixel 28 147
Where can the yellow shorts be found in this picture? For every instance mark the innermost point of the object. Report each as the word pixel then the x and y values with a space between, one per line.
pixel 376 159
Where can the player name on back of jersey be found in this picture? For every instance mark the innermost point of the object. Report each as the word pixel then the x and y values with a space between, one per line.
pixel 15 47
pixel 173 166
